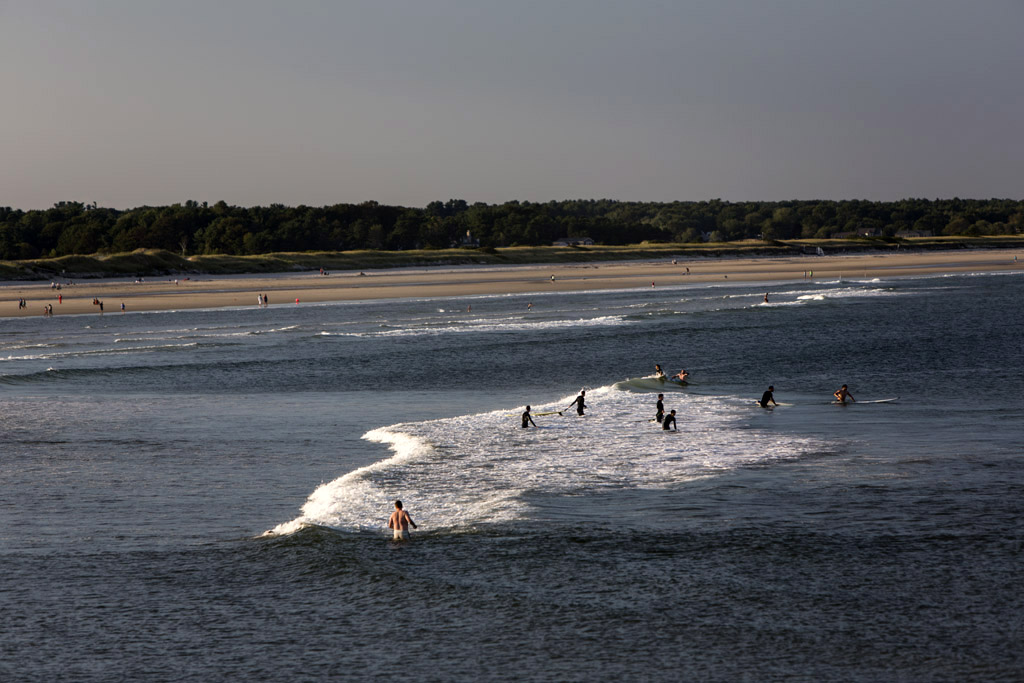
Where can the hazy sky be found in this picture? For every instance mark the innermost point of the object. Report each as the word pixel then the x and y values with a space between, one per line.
pixel 133 102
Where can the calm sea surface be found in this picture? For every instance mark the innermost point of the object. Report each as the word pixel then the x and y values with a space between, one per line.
pixel 202 495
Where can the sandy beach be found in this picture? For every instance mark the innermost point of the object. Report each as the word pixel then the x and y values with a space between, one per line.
pixel 153 294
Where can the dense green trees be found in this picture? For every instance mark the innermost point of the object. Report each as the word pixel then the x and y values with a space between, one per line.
pixel 194 228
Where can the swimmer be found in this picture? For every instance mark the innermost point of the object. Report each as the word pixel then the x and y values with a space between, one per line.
pixel 400 521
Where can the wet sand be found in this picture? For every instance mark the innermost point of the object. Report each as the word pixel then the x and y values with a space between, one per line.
pixel 153 294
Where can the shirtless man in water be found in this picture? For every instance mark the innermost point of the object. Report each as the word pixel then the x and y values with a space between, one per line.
pixel 844 394
pixel 400 521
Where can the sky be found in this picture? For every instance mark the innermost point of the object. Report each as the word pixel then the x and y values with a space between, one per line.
pixel 145 102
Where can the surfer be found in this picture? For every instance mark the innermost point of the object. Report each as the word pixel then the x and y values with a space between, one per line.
pixel 527 420
pixel 766 297
pixel 579 402
pixel 844 394
pixel 400 521
pixel 658 372
pixel 660 408
pixel 768 396
pixel 683 374
pixel 670 419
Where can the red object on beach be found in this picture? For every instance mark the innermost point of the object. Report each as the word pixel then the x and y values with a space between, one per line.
pixel 296 299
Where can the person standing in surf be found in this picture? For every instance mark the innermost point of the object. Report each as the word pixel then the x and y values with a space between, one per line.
pixel 842 394
pixel 768 396
pixel 659 408
pixel 527 419
pixel 579 402
pixel 400 521
pixel 670 419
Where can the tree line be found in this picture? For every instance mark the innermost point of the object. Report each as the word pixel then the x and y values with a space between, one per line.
pixel 198 228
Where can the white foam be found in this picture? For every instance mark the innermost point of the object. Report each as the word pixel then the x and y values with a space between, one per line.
pixel 457 473
pixel 514 324
pixel 121 351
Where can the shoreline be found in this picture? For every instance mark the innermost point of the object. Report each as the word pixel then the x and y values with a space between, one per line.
pixel 450 281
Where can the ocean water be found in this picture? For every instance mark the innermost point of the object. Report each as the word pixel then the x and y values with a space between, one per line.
pixel 203 495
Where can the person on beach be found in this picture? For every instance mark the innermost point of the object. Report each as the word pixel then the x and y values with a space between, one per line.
pixel 844 394
pixel 122 307
pixel 400 521
pixel 670 419
pixel 659 409
pixel 768 396
pixel 579 402
pixel 259 300
pixel 658 372
pixel 527 419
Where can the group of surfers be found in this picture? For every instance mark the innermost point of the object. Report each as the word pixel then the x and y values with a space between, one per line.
pixel 660 374
pixel 668 421
pixel 840 394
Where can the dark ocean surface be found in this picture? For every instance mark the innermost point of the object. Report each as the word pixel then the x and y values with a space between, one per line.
pixel 203 495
